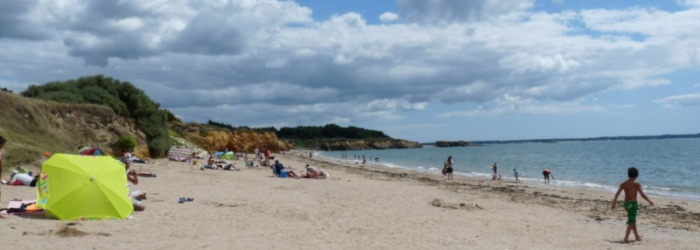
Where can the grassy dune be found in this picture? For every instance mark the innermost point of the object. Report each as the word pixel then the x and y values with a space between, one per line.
pixel 34 126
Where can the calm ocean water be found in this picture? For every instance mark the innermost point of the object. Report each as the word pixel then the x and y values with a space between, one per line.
pixel 669 167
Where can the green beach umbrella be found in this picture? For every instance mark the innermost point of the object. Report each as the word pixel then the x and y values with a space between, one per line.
pixel 228 155
pixel 83 187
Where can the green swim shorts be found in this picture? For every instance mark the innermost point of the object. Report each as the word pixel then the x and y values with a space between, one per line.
pixel 631 207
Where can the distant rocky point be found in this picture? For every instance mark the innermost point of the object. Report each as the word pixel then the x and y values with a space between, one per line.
pixel 453 144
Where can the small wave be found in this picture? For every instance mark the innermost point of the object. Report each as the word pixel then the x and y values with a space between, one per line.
pixel 674 192
pixel 668 189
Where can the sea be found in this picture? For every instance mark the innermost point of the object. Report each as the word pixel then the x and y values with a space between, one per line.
pixel 667 167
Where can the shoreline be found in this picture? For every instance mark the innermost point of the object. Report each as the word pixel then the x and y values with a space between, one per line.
pixel 652 191
pixel 669 211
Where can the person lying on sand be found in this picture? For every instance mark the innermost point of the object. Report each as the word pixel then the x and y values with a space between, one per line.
pixel 20 179
pixel 127 164
pixel 314 173
pixel 221 164
pixel 229 166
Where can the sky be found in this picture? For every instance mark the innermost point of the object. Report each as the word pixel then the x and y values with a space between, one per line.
pixel 420 70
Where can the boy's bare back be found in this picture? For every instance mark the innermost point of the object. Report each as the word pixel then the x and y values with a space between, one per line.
pixel 631 188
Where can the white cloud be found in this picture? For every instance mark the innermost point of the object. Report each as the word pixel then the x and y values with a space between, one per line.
pixel 523 63
pixel 689 3
pixel 228 56
pixel 393 104
pixel 388 17
pixel 516 106
pixel 686 100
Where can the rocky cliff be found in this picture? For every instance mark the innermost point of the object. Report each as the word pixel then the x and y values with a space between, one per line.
pixel 237 141
pixel 452 144
pixel 34 126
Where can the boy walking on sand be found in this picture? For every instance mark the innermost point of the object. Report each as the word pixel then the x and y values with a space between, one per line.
pixel 631 188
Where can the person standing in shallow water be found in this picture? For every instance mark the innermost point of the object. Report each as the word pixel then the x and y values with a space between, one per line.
pixel 495 169
pixel 547 173
pixel 447 168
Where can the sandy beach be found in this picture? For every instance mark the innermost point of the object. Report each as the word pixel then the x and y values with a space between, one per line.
pixel 361 207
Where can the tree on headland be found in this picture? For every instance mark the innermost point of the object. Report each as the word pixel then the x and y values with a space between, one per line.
pixel 123 97
pixel 329 131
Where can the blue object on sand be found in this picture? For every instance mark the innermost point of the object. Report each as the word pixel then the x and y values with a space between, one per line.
pixel 283 173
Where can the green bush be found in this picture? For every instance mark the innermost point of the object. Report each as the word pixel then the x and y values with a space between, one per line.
pixel 203 132
pixel 123 97
pixel 159 146
pixel 126 143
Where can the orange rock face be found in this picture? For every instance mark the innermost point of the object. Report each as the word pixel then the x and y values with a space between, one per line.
pixel 239 141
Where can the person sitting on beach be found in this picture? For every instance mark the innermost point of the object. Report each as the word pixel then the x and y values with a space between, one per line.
pixel 127 155
pixel 277 168
pixel 136 195
pixel 210 162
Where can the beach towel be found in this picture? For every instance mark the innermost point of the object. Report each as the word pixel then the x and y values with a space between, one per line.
pixel 178 153
pixel 23 208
